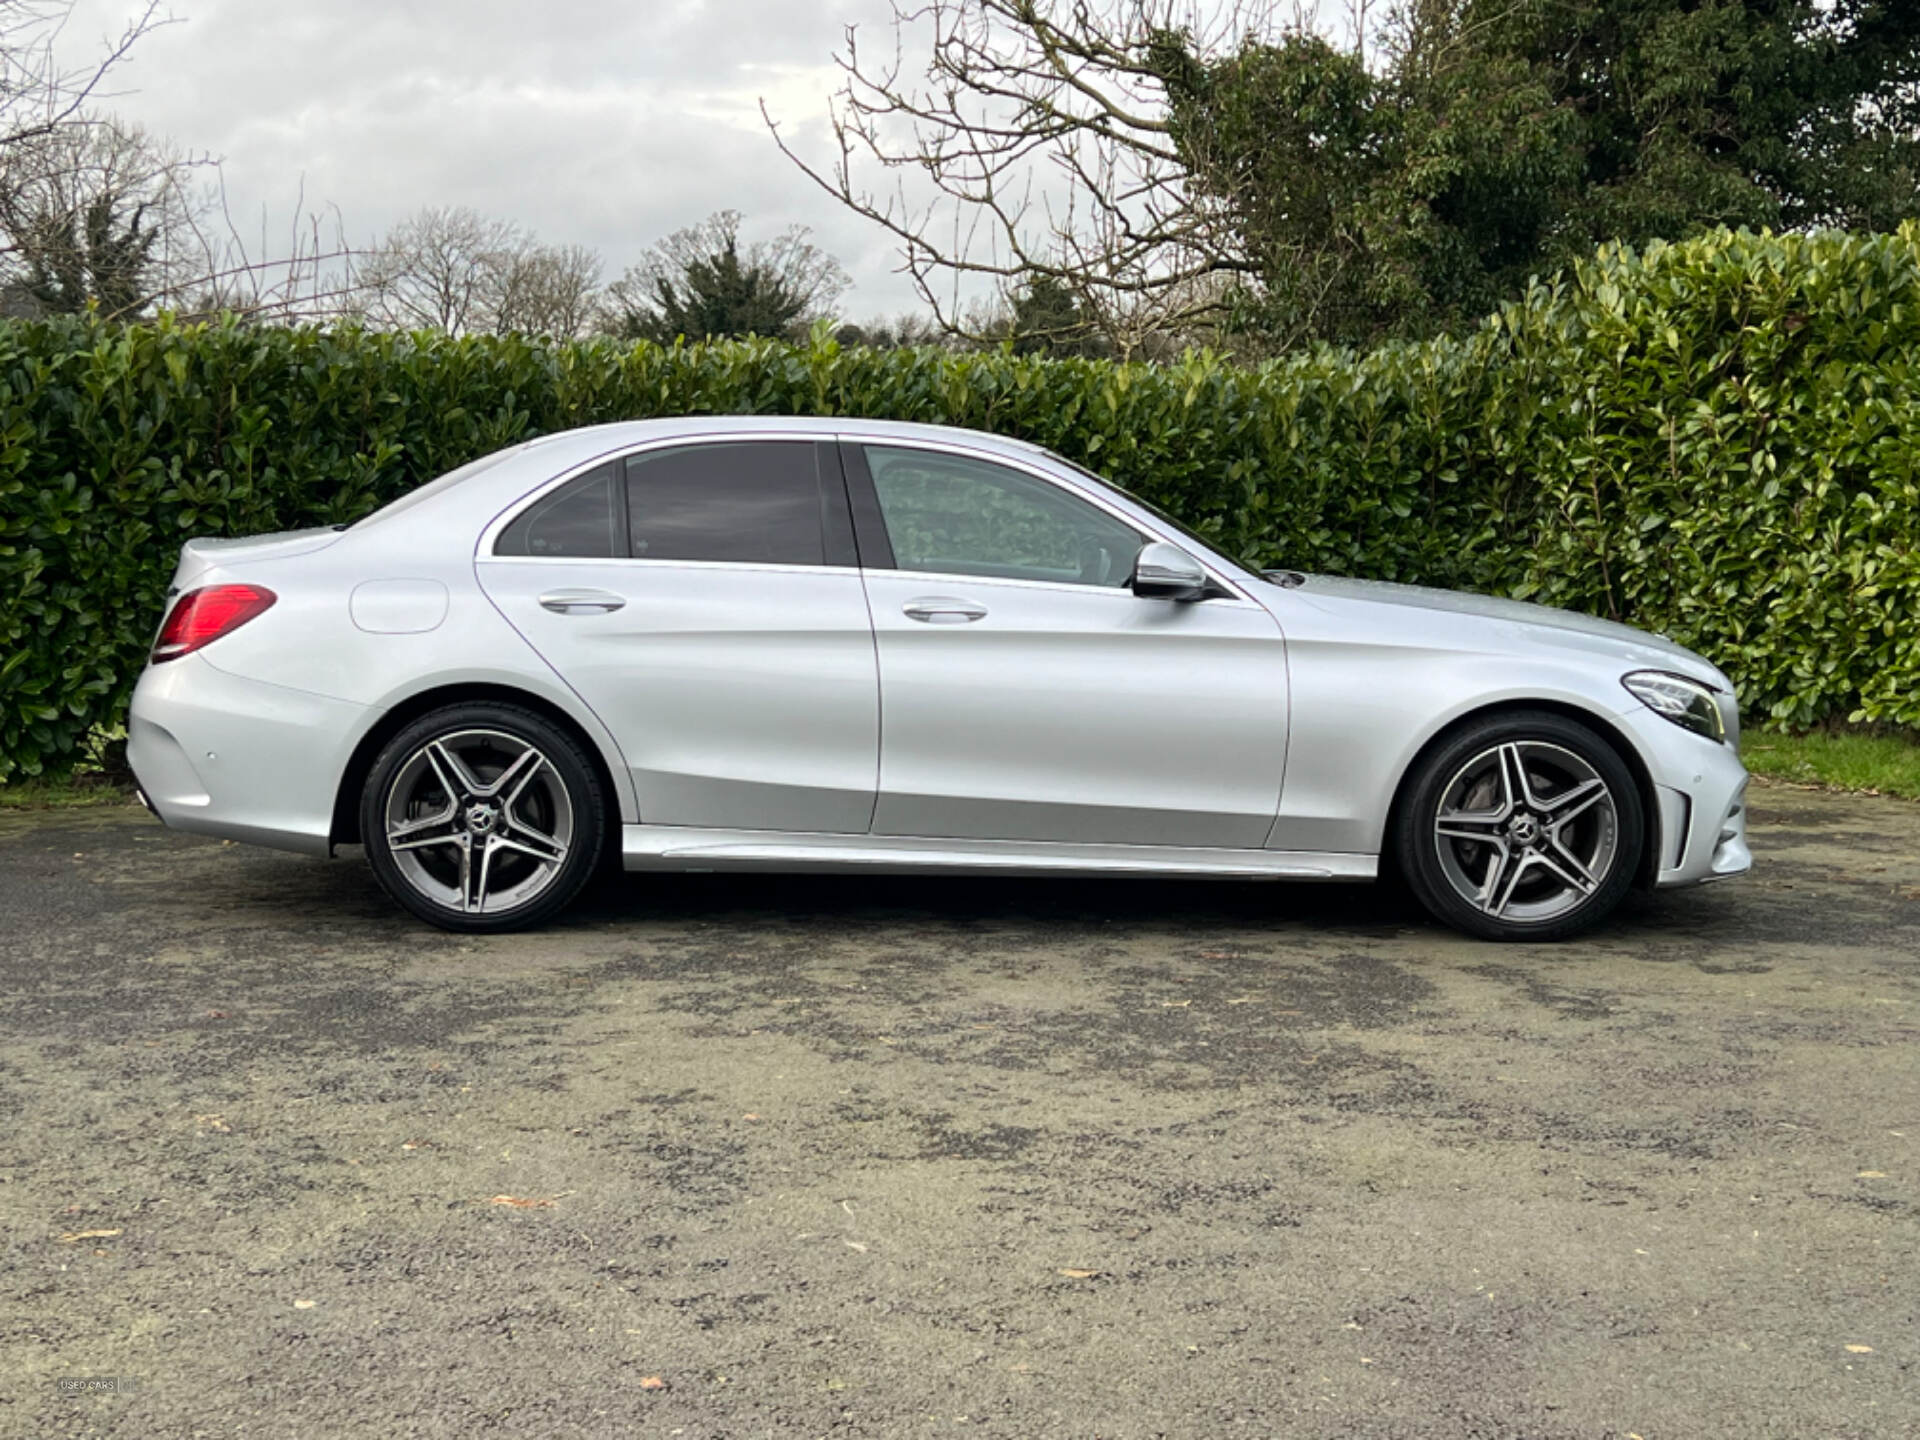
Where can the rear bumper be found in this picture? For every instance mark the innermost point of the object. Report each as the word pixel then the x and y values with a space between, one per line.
pixel 241 759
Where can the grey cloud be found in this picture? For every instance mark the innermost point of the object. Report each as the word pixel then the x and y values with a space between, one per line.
pixel 589 121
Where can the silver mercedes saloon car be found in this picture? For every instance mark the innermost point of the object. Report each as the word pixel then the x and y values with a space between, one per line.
pixel 719 643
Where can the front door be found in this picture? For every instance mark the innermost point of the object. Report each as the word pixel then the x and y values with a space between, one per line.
pixel 703 600
pixel 1028 694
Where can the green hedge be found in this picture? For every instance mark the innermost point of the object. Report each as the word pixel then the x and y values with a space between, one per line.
pixel 1716 439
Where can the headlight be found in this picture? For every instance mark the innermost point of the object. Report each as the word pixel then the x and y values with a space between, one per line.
pixel 1687 703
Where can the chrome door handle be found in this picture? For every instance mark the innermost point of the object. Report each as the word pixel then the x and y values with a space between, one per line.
pixel 943 610
pixel 581 602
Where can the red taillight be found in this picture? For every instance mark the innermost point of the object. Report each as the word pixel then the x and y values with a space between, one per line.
pixel 200 616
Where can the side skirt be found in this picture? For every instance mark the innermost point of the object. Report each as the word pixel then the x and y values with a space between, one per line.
pixel 676 847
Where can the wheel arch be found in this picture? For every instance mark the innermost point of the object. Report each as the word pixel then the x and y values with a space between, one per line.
pixel 1607 727
pixel 345 826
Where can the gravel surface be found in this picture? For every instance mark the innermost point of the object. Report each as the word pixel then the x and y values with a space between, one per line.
pixel 745 1156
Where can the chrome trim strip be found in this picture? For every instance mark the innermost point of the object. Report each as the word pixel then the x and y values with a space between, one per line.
pixel 491 533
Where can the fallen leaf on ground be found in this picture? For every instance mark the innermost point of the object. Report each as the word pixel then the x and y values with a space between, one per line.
pixel 749 1116
pixel 1080 1274
pixel 1859 1349
pixel 216 1014
pixel 653 1382
pixel 74 1237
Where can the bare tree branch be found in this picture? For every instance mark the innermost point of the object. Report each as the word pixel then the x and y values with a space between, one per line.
pixel 1035 141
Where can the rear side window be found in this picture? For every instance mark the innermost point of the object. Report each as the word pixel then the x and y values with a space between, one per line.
pixel 579 520
pixel 756 502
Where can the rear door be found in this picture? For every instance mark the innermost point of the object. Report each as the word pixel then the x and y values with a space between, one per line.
pixel 703 598
pixel 1029 694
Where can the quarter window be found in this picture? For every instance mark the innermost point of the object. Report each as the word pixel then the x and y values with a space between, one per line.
pixel 949 514
pixel 758 502
pixel 577 520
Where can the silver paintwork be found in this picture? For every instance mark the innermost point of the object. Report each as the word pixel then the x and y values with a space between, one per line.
pixel 815 715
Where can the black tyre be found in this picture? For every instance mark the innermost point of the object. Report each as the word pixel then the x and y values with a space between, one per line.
pixel 483 817
pixel 1523 826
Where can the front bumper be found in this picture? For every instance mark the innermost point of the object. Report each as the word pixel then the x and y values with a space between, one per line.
pixel 241 759
pixel 1700 790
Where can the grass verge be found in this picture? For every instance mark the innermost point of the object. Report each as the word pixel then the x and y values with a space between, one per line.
pixel 1865 761
pixel 68 794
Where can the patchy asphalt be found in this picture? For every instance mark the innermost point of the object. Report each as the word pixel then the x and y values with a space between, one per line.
pixel 880 1156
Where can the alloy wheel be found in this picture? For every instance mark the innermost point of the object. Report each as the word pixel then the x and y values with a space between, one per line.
pixel 478 821
pixel 1526 831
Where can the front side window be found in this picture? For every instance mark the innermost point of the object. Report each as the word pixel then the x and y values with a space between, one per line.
pixel 580 519
pixel 755 502
pixel 952 515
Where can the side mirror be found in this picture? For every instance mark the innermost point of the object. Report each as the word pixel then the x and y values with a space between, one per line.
pixel 1166 572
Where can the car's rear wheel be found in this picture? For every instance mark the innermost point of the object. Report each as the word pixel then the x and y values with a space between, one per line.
pixel 483 817
pixel 1522 826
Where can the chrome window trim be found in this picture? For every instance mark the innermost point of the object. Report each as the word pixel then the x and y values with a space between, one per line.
pixel 489 536
pixel 1064 587
pixel 778 568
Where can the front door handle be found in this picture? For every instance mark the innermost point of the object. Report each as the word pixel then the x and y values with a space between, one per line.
pixel 943 610
pixel 581 602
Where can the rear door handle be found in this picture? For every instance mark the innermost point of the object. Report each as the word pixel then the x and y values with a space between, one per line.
pixel 943 610
pixel 581 602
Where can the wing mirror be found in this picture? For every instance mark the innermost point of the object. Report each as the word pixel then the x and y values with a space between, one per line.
pixel 1166 572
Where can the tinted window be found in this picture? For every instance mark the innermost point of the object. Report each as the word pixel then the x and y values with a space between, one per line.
pixel 958 516
pixel 578 519
pixel 755 502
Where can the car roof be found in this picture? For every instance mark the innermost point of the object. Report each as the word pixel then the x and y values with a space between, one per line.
pixel 624 432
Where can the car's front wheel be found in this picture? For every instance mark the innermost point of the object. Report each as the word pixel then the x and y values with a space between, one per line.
pixel 483 817
pixel 1523 826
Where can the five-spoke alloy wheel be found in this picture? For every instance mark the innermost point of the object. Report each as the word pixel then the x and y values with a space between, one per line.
pixel 482 817
pixel 1521 826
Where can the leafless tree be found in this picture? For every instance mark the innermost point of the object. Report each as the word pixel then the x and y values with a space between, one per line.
pixel 38 95
pixel 440 270
pixel 703 281
pixel 895 332
pixel 96 212
pixel 101 214
pixel 1033 140
pixel 547 290
pixel 455 270
pixel 311 277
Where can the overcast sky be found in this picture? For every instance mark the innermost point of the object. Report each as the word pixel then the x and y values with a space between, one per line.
pixel 596 122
